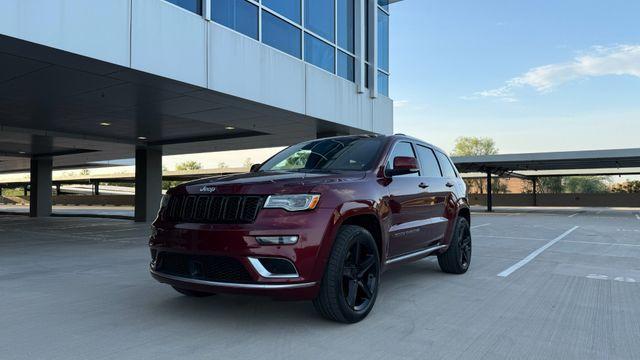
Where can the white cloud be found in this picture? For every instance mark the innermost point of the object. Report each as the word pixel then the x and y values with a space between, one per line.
pixel 599 61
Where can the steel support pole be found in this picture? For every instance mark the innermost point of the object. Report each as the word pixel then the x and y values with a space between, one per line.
pixel 489 193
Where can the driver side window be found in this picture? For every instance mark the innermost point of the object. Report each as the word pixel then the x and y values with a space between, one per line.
pixel 402 148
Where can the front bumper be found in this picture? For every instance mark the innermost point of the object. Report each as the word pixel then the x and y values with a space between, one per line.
pixel 238 242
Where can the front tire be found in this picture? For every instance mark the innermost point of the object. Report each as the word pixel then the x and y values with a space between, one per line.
pixel 457 258
pixel 350 284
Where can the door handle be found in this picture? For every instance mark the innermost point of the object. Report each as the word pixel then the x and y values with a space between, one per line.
pixel 449 184
pixel 423 186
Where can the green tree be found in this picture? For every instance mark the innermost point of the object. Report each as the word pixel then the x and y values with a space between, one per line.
pixel 586 184
pixel 189 165
pixel 550 185
pixel 478 146
pixel 222 165
pixel 474 146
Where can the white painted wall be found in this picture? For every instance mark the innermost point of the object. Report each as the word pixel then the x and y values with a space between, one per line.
pixel 157 37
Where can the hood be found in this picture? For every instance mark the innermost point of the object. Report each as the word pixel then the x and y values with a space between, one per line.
pixel 270 182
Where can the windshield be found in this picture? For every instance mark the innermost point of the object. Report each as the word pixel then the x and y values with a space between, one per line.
pixel 340 154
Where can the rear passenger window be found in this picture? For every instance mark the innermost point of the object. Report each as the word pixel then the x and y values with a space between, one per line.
pixel 401 149
pixel 445 165
pixel 428 163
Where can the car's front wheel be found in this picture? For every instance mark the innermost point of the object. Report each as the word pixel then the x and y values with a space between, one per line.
pixel 457 258
pixel 350 284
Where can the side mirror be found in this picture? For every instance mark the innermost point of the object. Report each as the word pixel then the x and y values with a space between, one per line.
pixel 255 168
pixel 403 165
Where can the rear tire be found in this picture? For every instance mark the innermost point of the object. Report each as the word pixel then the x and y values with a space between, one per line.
pixel 457 258
pixel 192 293
pixel 350 283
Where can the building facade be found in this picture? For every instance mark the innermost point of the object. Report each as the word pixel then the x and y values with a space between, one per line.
pixel 86 82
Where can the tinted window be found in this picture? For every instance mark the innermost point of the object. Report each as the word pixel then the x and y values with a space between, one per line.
pixel 383 40
pixel 428 163
pixel 318 52
pixel 280 34
pixel 319 17
pixel 401 149
pixel 383 83
pixel 238 15
pixel 345 25
pixel 194 6
pixel 345 153
pixel 445 164
pixel 346 68
pixel 287 8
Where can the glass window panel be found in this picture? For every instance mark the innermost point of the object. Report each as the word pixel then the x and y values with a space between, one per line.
pixel 383 83
pixel 401 149
pixel 384 4
pixel 445 165
pixel 239 15
pixel 346 67
pixel 383 40
pixel 346 24
pixel 194 6
pixel 318 53
pixel 287 8
pixel 428 163
pixel 280 34
pixel 366 32
pixel 319 17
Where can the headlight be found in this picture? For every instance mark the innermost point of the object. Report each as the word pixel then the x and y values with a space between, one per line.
pixel 298 202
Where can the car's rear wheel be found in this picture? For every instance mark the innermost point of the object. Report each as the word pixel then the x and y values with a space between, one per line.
pixel 350 284
pixel 192 293
pixel 457 258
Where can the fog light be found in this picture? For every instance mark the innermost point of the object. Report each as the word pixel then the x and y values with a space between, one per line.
pixel 277 240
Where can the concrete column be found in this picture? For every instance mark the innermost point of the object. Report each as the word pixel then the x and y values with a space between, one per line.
pixel 148 183
pixel 40 201
pixel 489 193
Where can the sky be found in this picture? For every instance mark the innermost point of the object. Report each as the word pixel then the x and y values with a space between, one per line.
pixel 543 75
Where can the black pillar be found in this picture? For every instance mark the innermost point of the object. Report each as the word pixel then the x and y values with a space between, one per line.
pixel 148 183
pixel 25 190
pixel 40 201
pixel 58 189
pixel 535 191
pixel 489 193
pixel 96 188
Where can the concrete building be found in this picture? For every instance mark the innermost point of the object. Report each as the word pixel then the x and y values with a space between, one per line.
pixel 86 82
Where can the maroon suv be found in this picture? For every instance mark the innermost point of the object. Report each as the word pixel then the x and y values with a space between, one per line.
pixel 320 220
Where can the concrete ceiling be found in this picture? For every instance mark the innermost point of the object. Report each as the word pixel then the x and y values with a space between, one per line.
pixel 80 110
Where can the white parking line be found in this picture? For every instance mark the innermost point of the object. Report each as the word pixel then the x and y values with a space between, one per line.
pixel 574 215
pixel 481 225
pixel 533 255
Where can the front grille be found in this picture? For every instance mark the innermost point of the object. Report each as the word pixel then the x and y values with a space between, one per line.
pixel 213 209
pixel 203 267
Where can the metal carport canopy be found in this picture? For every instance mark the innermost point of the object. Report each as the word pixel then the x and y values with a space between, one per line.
pixel 563 160
pixel 527 164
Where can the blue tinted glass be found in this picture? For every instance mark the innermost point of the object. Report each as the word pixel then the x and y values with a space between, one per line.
pixel 287 8
pixel 345 66
pixel 383 40
pixel 383 83
pixel 384 4
pixel 345 24
pixel 194 6
pixel 318 52
pixel 319 17
pixel 280 35
pixel 238 15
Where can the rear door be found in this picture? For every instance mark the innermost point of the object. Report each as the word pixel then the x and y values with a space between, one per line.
pixel 407 203
pixel 436 193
